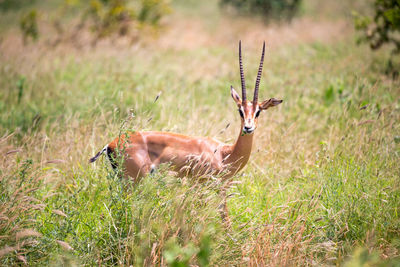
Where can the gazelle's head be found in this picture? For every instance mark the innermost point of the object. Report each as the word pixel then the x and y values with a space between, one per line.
pixel 249 111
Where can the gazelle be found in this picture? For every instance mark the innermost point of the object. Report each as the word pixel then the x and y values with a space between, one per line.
pixel 193 156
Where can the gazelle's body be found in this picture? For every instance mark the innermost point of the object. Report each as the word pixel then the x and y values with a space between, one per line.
pixel 193 156
pixel 188 156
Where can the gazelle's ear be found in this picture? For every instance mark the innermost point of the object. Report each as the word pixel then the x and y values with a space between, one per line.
pixel 270 103
pixel 236 96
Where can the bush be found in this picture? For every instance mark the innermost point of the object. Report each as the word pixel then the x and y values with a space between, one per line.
pixel 102 18
pixel 29 27
pixel 110 16
pixel 383 27
pixel 7 5
pixel 268 9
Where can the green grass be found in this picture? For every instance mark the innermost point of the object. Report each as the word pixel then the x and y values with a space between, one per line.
pixel 321 187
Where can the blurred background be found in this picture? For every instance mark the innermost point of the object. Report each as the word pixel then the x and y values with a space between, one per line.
pixel 321 186
pixel 187 24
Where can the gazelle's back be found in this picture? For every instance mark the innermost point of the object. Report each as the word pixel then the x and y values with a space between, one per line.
pixel 144 151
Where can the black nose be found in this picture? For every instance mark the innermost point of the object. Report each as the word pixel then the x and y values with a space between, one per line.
pixel 247 128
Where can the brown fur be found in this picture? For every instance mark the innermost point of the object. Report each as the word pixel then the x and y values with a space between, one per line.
pixel 188 156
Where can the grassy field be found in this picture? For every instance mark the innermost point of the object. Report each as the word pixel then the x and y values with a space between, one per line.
pixel 321 186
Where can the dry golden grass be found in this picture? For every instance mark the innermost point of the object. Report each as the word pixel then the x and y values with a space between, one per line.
pixel 322 179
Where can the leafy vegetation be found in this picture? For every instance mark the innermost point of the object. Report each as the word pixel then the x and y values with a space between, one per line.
pixel 383 27
pixel 268 9
pixel 103 18
pixel 321 187
pixel 6 5
pixel 29 26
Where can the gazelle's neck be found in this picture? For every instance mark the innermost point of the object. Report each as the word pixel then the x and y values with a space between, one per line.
pixel 241 151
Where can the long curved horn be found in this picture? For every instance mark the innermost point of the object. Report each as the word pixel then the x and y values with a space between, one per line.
pixel 255 99
pixel 242 74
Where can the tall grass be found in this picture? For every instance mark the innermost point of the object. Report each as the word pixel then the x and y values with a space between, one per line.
pixel 321 187
pixel 18 207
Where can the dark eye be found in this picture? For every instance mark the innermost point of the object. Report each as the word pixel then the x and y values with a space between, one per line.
pixel 241 113
pixel 258 113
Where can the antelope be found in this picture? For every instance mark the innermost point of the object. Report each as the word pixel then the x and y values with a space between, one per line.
pixel 193 156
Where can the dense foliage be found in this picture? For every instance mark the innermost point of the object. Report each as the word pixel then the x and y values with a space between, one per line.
pixel 29 26
pixel 101 17
pixel 268 9
pixel 383 27
pixel 8 5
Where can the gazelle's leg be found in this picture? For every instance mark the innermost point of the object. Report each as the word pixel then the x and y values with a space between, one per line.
pixel 137 164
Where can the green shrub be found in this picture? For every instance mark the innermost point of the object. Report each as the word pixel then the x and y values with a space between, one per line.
pixel 7 5
pixel 121 17
pixel 383 27
pixel 268 9
pixel 28 25
pixel 102 18
pixel 151 11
